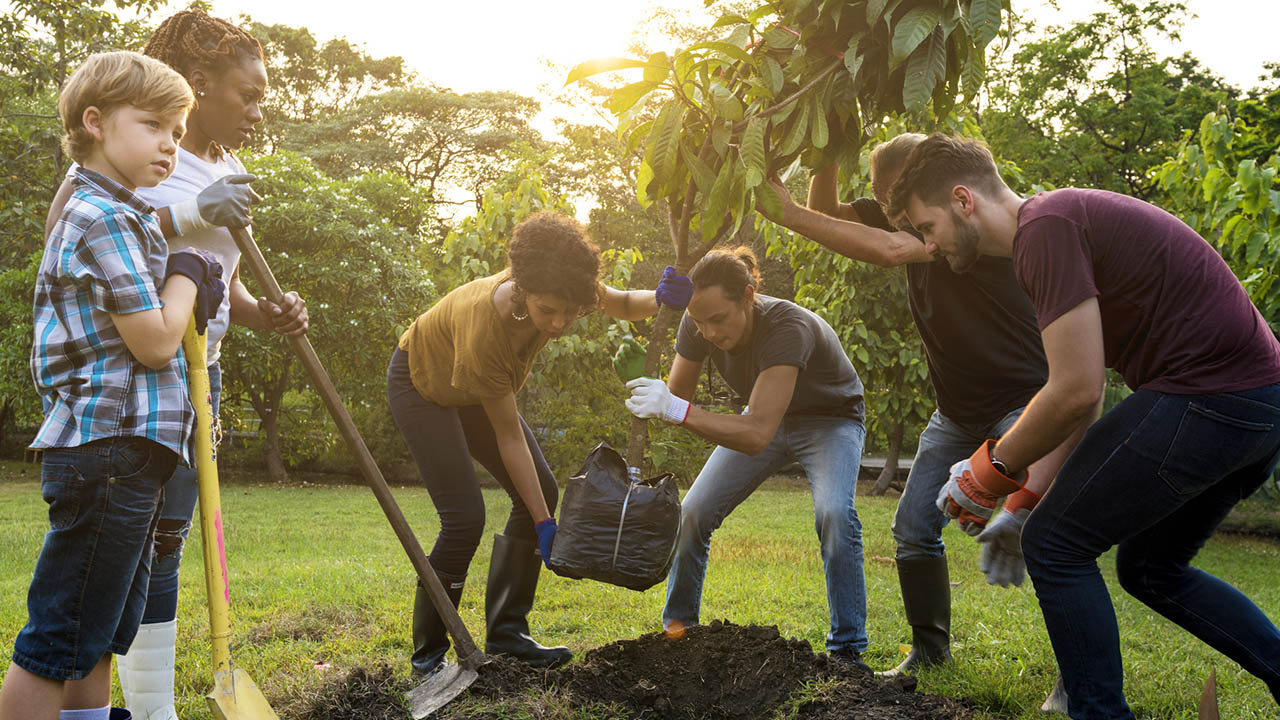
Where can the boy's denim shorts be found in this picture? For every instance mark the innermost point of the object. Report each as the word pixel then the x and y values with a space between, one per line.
pixel 90 583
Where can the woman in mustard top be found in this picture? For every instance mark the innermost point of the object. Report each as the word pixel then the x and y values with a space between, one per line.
pixel 452 386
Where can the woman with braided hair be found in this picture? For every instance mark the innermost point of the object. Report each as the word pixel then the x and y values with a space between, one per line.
pixel 208 189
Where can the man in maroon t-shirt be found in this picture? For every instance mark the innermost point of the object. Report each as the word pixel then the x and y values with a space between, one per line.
pixel 1115 282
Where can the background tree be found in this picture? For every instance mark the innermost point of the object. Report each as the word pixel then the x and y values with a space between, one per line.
pixel 350 246
pixel 1090 104
pixel 793 81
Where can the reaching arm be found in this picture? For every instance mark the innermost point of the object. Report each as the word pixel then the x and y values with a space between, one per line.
pixel 153 336
pixel 628 304
pixel 1069 401
pixel 515 454
pixel 851 239
pixel 824 195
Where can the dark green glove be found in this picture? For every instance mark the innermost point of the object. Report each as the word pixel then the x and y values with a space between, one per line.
pixel 628 361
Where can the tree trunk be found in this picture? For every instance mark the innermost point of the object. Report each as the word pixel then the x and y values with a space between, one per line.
pixel 5 410
pixel 638 439
pixel 276 471
pixel 890 471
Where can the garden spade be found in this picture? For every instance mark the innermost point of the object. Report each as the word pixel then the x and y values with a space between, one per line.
pixel 450 680
pixel 234 695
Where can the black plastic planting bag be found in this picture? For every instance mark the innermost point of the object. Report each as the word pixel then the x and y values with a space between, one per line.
pixel 614 530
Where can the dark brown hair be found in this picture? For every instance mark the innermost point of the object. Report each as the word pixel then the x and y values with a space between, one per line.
pixel 733 269
pixel 193 40
pixel 551 254
pixel 937 165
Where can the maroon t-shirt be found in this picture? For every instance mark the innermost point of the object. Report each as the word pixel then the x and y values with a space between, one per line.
pixel 1174 317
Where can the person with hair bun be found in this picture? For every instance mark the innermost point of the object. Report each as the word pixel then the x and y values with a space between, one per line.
pixel 452 386
pixel 805 405
pixel 223 66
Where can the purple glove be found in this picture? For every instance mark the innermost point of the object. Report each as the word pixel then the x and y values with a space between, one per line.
pixel 674 290
pixel 546 536
pixel 206 272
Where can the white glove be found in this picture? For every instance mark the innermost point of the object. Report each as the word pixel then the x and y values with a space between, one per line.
pixel 1002 549
pixel 225 202
pixel 652 399
pixel 971 514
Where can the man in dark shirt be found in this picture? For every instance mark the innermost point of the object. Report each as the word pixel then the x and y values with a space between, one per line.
pixel 985 362
pixel 1115 282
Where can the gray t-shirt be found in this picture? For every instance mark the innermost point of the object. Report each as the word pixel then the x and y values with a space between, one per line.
pixel 786 334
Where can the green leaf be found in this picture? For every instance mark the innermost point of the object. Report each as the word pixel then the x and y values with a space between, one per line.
pixel 599 65
pixel 1257 243
pixel 912 30
pixel 853 58
pixel 627 96
pixel 797 131
pixel 702 175
pixel 718 202
pixel 973 74
pixel 730 19
pixel 984 21
pixel 638 135
pixel 753 150
pixel 772 73
pixel 818 134
pixel 663 146
pixel 720 135
pixel 657 68
pixel 643 178
pixel 732 51
pixel 926 68
pixel 875 8
pixel 725 104
pixel 779 38
pixel 767 198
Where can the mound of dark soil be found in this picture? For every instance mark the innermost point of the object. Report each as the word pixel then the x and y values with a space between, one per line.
pixel 713 672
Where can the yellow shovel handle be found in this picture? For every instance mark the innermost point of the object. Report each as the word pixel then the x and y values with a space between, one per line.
pixel 215 553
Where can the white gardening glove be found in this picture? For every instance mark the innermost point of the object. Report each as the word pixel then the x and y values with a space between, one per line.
pixel 1002 548
pixel 652 399
pixel 225 202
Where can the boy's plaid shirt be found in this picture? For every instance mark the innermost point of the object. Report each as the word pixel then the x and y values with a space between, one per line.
pixel 106 254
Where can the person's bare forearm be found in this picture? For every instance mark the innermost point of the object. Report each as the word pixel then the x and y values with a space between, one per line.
pixel 745 433
pixel 153 336
pixel 244 306
pixel 824 196
pixel 855 240
pixel 518 461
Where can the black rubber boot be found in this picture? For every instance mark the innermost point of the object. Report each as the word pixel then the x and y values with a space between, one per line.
pixel 513 580
pixel 926 597
pixel 430 636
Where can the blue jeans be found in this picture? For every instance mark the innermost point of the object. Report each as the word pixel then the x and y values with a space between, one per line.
pixel 1154 477
pixel 90 581
pixel 917 523
pixel 830 450
pixel 177 506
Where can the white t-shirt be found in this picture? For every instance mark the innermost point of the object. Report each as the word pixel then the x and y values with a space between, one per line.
pixel 192 175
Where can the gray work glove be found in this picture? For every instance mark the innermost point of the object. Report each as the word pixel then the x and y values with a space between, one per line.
pixel 225 203
pixel 1001 558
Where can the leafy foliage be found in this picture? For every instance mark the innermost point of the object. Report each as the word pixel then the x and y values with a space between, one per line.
pixel 1220 189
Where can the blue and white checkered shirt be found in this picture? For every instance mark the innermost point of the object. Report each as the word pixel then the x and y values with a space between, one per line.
pixel 106 255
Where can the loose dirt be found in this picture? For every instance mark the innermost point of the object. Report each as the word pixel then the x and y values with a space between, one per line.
pixel 715 671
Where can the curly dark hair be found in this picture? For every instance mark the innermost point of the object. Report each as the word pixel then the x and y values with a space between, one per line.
pixel 551 254
pixel 193 39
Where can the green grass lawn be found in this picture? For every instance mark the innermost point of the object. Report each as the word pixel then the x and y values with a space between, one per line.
pixel 319 585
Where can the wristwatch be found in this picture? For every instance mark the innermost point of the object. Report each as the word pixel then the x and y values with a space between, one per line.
pixel 999 466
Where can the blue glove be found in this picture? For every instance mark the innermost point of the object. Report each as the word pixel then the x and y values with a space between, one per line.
pixel 674 290
pixel 206 272
pixel 546 536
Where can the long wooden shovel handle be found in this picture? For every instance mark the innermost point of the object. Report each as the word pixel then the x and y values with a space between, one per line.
pixel 468 654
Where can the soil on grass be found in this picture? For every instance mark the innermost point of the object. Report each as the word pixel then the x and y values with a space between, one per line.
pixel 715 671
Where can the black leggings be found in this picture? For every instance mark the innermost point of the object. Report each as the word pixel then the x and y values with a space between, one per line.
pixel 443 441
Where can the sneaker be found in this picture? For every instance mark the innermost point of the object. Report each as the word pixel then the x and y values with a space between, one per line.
pixel 850 657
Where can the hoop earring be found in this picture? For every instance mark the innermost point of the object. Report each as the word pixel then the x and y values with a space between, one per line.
pixel 519 299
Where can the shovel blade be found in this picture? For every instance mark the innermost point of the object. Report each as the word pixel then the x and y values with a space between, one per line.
pixel 236 697
pixel 444 685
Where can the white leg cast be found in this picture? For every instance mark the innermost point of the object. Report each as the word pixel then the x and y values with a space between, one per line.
pixel 146 672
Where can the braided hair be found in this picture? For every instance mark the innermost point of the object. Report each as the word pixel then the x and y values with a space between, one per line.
pixel 192 40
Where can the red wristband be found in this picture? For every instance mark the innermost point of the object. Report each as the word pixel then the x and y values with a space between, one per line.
pixel 1023 499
